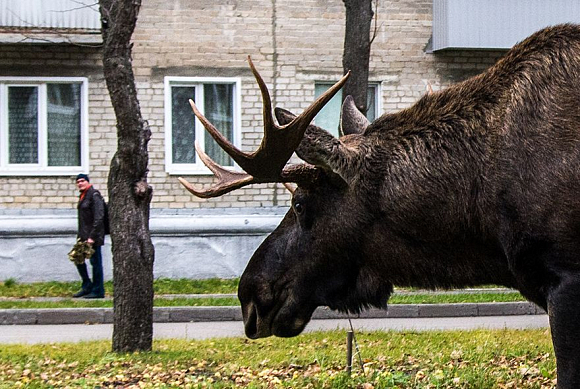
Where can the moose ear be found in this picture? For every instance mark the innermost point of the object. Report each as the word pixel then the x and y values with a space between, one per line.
pixel 283 116
pixel 352 121
pixel 321 149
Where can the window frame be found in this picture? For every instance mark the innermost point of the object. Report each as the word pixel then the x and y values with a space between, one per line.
pixel 198 168
pixel 376 85
pixel 41 168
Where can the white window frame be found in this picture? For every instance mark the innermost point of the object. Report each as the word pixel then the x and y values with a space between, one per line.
pixel 378 98
pixel 198 168
pixel 41 168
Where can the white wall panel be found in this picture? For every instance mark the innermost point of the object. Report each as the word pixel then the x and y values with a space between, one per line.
pixel 495 24
pixel 75 14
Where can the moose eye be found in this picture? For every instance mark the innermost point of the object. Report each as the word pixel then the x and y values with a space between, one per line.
pixel 298 208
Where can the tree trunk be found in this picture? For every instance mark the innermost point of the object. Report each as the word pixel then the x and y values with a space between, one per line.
pixel 129 193
pixel 357 49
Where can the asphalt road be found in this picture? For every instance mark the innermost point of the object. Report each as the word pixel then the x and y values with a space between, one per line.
pixel 33 334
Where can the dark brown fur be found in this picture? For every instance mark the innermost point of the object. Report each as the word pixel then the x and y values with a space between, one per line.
pixel 477 184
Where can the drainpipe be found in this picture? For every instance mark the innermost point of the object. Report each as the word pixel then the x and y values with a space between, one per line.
pixel 274 78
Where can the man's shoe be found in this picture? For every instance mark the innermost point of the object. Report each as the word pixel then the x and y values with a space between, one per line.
pixel 81 293
pixel 93 296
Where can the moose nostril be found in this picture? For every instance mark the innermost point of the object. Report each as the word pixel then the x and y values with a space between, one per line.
pixel 251 322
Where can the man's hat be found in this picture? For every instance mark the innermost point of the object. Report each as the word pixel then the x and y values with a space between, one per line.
pixel 83 176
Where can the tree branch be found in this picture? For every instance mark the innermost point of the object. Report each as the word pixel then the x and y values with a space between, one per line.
pixel 376 28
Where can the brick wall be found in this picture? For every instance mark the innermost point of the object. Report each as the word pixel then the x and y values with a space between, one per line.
pixel 293 44
pixel 60 61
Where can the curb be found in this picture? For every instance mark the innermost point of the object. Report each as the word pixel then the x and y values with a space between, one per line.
pixel 210 314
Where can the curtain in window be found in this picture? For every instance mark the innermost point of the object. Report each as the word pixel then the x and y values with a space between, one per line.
pixel 371 103
pixel 219 109
pixel 182 125
pixel 64 124
pixel 23 124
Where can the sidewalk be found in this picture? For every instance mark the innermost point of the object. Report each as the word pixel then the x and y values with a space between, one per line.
pixel 83 324
pixel 34 334
pixel 220 314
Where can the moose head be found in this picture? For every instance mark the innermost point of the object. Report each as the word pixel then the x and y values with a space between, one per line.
pixel 311 258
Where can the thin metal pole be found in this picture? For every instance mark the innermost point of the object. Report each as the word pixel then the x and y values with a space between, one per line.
pixel 362 366
pixel 349 337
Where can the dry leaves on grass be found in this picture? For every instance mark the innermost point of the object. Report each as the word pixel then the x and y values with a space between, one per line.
pixel 482 359
pixel 409 372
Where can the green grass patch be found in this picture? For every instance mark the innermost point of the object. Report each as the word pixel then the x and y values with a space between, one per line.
pixel 12 288
pixel 82 303
pixel 451 298
pixel 483 359
pixel 187 286
pixel 232 301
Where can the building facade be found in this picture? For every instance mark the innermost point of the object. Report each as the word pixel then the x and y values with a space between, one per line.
pixel 56 119
pixel 184 49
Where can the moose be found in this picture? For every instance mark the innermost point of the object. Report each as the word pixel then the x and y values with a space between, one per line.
pixel 476 184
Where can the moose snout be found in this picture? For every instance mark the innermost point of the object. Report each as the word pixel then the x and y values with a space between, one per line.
pixel 255 326
pixel 250 316
pixel 251 292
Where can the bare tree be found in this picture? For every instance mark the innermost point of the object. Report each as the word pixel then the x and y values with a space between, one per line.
pixel 129 192
pixel 357 49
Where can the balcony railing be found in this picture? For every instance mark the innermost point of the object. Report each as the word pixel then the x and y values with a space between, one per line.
pixel 495 24
pixel 49 21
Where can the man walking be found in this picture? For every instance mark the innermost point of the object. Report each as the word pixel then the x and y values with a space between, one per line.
pixel 91 229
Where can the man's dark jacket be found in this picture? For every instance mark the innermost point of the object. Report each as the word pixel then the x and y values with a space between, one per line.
pixel 91 212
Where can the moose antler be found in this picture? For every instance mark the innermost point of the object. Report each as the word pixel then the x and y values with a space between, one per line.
pixel 267 163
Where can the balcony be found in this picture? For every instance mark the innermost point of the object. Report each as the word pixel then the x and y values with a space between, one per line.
pixel 50 21
pixel 495 24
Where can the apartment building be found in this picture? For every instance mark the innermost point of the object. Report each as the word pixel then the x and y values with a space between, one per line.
pixel 56 119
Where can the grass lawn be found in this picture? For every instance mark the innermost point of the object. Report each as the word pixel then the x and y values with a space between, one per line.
pixel 11 288
pixel 82 303
pixel 482 359
pixel 11 292
pixel 232 301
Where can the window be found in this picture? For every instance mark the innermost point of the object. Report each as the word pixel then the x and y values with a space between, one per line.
pixel 43 126
pixel 329 117
pixel 218 100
